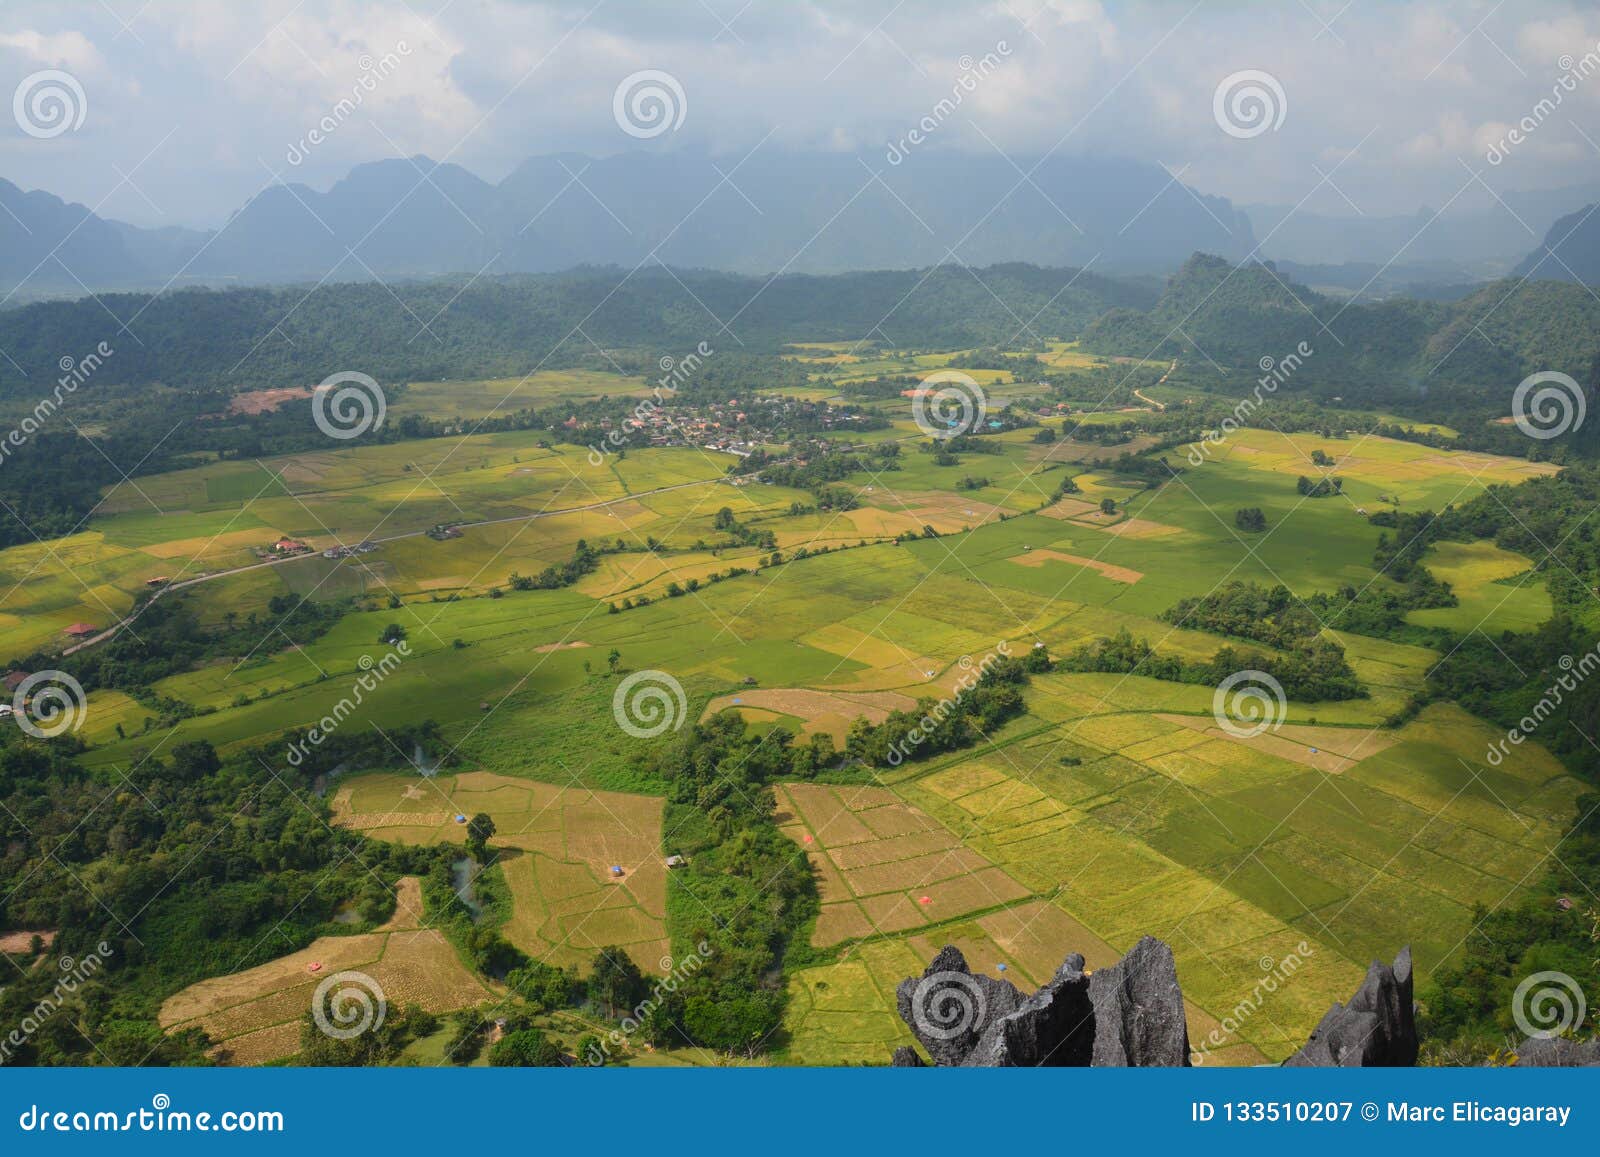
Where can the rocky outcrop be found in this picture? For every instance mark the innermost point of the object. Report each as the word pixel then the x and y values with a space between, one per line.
pixel 1130 1014
pixel 1557 1053
pixel 1378 1028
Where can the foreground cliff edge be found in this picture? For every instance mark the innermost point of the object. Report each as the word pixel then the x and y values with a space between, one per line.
pixel 1131 1015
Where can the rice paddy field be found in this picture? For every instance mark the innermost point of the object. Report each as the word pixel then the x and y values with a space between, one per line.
pixel 256 1016
pixel 585 868
pixel 1115 807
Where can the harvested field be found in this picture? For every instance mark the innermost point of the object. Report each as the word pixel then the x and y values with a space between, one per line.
pixel 1037 558
pixel 17 943
pixel 884 866
pixel 1330 749
pixel 829 712
pixel 558 846
pixel 256 1016
pixel 1069 508
pixel 265 401
pixel 1137 528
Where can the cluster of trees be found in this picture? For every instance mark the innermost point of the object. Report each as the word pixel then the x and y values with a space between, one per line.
pixel 1321 488
pixel 745 893
pixel 740 534
pixel 1246 610
pixel 201 868
pixel 950 724
pixel 1313 672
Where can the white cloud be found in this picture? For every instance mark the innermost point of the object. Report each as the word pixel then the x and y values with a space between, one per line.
pixel 1418 85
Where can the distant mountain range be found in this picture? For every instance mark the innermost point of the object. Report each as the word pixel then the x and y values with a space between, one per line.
pixel 775 212
pixel 780 212
pixel 1570 250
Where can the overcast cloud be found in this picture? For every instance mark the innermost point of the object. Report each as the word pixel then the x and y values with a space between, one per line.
pixel 192 107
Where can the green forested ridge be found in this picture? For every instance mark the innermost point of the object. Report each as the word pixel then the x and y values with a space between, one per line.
pixel 1447 359
pixel 498 327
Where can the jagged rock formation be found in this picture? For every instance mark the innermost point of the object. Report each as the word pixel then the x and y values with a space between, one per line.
pixel 1558 1053
pixel 1377 1028
pixel 1130 1014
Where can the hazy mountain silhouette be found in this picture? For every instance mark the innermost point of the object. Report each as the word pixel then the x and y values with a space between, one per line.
pixel 791 212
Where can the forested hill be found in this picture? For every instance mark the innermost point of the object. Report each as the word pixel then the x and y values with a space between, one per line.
pixel 454 328
pixel 1394 352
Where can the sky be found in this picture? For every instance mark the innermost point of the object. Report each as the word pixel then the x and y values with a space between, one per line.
pixel 1366 108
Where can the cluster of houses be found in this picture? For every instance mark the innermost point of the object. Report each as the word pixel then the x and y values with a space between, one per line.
pixel 13 680
pixel 731 427
pixel 350 551
pixel 293 547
